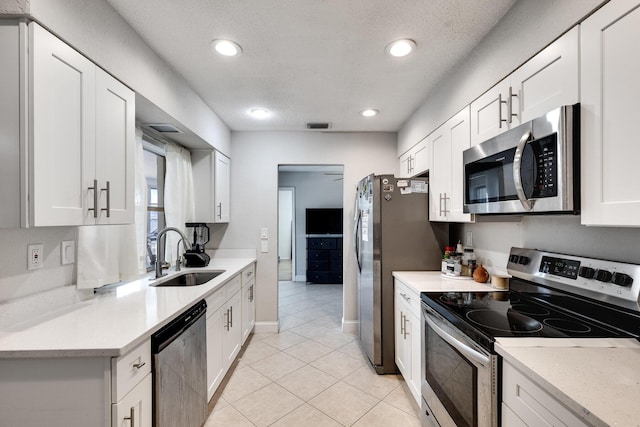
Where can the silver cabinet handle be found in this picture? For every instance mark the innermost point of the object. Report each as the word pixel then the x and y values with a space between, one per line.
pixel 517 175
pixel 131 417
pixel 251 293
pixel 95 198
pixel 440 205
pixel 231 317
pixel 108 190
pixel 402 323
pixel 226 313
pixel 405 328
pixel 405 296
pixel 511 114
pixel 139 365
pixel 500 119
pixel 220 210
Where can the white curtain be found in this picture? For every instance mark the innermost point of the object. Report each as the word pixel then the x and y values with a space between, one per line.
pixel 112 253
pixel 179 204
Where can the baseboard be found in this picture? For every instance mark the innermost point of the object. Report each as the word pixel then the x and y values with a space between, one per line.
pixel 350 326
pixel 300 278
pixel 266 327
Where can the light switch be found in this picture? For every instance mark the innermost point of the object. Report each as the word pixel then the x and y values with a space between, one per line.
pixel 264 246
pixel 264 233
pixel 67 252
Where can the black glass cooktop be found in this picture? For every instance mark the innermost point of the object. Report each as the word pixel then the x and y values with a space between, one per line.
pixel 530 312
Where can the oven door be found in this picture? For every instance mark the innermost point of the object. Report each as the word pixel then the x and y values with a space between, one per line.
pixel 458 376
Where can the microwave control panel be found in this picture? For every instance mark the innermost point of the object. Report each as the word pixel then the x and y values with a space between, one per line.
pixel 546 166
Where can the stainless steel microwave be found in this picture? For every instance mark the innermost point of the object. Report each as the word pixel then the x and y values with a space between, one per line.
pixel 532 168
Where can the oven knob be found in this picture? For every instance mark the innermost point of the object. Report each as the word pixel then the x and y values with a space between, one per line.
pixel 586 272
pixel 622 279
pixel 524 260
pixel 603 275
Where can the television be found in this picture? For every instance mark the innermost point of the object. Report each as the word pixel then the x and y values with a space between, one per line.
pixel 324 221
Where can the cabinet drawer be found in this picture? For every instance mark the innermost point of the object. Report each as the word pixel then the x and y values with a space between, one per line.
pixel 248 274
pixel 232 286
pixel 129 369
pixel 335 277
pixel 318 255
pixel 321 243
pixel 317 276
pixel 135 409
pixel 336 255
pixel 318 265
pixel 215 301
pixel 411 297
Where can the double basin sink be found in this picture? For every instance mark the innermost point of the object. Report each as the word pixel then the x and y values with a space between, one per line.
pixel 189 278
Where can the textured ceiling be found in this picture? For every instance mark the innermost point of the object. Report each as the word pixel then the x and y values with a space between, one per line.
pixel 313 60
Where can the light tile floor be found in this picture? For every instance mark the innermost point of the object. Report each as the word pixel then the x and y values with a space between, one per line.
pixel 311 374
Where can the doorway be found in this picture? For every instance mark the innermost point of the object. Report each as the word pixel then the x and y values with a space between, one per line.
pixel 286 233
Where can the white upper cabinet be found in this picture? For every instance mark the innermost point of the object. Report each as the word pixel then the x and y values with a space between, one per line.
pixel 415 161
pixel 212 182
pixel 81 138
pixel 548 80
pixel 610 88
pixel 446 174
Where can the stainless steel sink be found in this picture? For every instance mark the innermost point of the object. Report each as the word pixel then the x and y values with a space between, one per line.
pixel 189 278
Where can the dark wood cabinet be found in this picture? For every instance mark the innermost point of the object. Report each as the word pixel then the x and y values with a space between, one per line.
pixel 324 259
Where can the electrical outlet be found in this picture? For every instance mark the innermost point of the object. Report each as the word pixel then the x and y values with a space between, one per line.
pixel 468 241
pixel 264 233
pixel 35 256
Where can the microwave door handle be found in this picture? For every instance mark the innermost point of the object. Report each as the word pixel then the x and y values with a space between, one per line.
pixel 517 175
pixel 472 354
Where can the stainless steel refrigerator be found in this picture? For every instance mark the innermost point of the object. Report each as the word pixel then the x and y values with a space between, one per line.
pixel 392 233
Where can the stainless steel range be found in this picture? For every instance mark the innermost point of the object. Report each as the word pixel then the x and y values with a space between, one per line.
pixel 551 295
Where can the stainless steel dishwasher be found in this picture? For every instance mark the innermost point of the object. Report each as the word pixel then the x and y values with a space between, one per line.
pixel 180 370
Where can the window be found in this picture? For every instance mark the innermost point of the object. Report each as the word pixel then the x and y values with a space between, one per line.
pixel 154 170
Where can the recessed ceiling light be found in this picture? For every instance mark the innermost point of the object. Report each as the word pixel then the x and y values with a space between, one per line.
pixel 402 47
pixel 259 113
pixel 226 47
pixel 369 113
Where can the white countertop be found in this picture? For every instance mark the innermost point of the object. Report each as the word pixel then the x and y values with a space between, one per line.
pixel 598 379
pixel 435 281
pixel 112 323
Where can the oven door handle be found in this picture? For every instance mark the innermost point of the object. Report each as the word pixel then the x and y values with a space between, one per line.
pixel 517 172
pixel 461 347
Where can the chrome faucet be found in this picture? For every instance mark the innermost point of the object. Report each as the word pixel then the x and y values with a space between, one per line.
pixel 160 247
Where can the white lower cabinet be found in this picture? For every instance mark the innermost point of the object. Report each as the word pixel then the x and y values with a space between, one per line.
pixel 135 409
pixel 525 403
pixel 407 336
pixel 230 320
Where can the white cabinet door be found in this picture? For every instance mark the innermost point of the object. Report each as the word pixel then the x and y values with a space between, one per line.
pixel 458 128
pixel 62 131
pixel 405 165
pixel 446 179
pixel 530 403
pixel 610 88
pixel 548 80
pixel 135 409
pixel 403 352
pixel 440 174
pixel 232 334
pixel 490 114
pixel 115 150
pixel 216 322
pixel 412 329
pixel 222 187
pixel 421 158
pixel 407 337
pixel 248 309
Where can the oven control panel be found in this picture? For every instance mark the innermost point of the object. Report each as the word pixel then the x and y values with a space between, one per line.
pixel 616 279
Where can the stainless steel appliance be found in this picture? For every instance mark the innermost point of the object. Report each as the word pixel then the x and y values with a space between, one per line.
pixel 551 295
pixel 180 370
pixel 196 256
pixel 392 232
pixel 532 168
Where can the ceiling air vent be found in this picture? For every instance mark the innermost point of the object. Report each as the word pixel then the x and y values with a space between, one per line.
pixel 163 127
pixel 318 125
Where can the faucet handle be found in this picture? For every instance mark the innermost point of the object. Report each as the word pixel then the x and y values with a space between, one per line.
pixel 178 262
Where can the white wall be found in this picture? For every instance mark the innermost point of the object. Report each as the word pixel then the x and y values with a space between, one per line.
pixel 285 223
pixel 94 28
pixel 254 191
pixel 313 190
pixel 525 29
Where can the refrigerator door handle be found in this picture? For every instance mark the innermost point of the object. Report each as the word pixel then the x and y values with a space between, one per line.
pixel 356 239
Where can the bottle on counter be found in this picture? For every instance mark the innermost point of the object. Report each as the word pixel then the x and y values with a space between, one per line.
pixel 448 252
pixel 468 261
